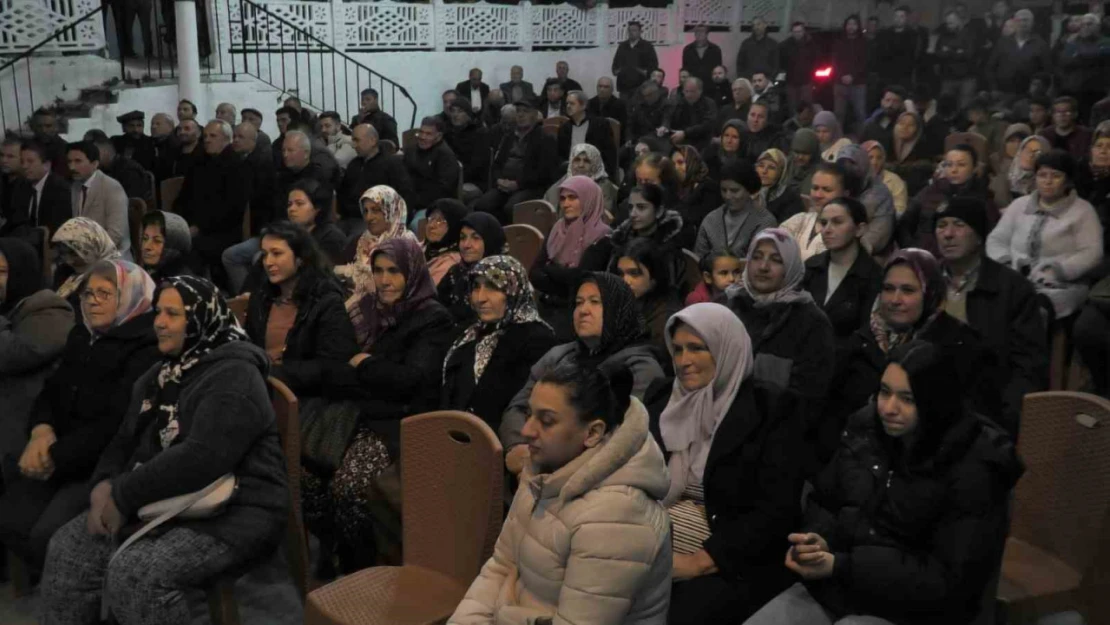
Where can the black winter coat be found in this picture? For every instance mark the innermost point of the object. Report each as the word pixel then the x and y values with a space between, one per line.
pixel 321 335
pixel 917 226
pixel 215 195
pixel 701 66
pixel 955 54
pixel 364 173
pixel 87 396
pixel 471 146
pixel 915 541
pixel 434 173
pixel 798 60
pixel 505 374
pixel 697 120
pixel 539 150
pixel 849 308
pixel 786 205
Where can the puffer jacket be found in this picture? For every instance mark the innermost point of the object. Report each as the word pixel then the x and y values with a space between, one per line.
pixel 558 558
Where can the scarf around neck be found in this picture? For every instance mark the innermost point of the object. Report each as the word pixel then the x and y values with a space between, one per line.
pixel 370 316
pixel 569 240
pixel 793 266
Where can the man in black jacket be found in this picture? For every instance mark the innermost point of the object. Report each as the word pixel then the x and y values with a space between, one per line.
pixel 522 166
pixel 41 197
pixel 1017 58
pixel 584 128
pixel 189 151
pixel 133 144
pixel 369 169
pixel 995 300
pixel 702 55
pixel 758 52
pixel 881 125
pixel 517 88
pixel 762 134
pixel 432 166
pixel 797 57
pixel 214 198
pixel 166 145
pixel 562 72
pixel 900 50
pixel 606 104
pixel 647 112
pixel 248 147
pixel 633 61
pixel 474 87
pixel 469 140
pixel 692 118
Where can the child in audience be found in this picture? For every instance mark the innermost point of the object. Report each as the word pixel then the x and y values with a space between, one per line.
pixel 720 269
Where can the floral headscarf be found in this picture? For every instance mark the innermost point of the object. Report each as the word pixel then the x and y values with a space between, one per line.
pixel 775 191
pixel 370 317
pixel 209 324
pixel 507 275
pixel 597 171
pixel 934 289
pixel 395 210
pixel 134 292
pixel 569 240
pixel 795 269
pixel 90 242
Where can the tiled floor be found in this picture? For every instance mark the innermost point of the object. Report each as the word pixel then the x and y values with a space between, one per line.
pixel 266 597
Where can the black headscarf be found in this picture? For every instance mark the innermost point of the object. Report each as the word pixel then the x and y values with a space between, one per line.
pixel 489 229
pixel 621 317
pixel 24 272
pixel 453 211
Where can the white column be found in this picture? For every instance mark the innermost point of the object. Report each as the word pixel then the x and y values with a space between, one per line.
pixel 787 18
pixel 188 56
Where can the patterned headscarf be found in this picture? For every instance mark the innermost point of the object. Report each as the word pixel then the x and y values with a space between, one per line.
pixel 875 145
pixel 134 292
pixel 696 171
pixel 597 171
pixel 795 269
pixel 1022 181
pixel 453 211
pixel 622 321
pixel 934 288
pixel 775 191
pixel 209 324
pixel 569 240
pixel 90 242
pixel 395 209
pixel 507 275
pixel 370 317
pixel 690 419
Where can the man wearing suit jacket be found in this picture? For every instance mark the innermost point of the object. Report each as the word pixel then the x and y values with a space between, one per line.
pixel 97 196
pixel 607 104
pixel 41 197
pixel 585 128
pixel 517 88
pixel 474 90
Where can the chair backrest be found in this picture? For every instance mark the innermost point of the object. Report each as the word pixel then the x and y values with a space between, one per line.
pixel 693 270
pixel 1062 501
pixel 421 229
pixel 247 222
pixel 152 188
pixel 551 125
pixel 524 243
pixel 287 413
pixel 171 188
pixel 408 139
pixel 462 181
pixel 537 213
pixel 238 306
pixel 451 485
pixel 615 128
pixel 41 236
pixel 136 208
pixel 387 147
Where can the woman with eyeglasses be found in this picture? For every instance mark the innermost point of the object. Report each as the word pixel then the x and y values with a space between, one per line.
pixel 80 407
pixel 441 240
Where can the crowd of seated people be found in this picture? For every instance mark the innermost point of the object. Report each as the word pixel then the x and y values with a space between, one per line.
pixel 730 309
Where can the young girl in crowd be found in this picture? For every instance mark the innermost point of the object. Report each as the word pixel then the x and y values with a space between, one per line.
pixel 480 236
pixel 734 224
pixel 441 240
pixel 647 219
pixel 698 193
pixel 649 271
pixel 165 244
pixel 912 156
pixel 309 206
pixel 729 150
pixel 720 269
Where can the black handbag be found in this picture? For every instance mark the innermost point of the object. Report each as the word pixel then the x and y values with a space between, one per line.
pixel 327 428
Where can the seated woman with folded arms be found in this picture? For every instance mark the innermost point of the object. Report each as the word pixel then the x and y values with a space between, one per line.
pixel 176 439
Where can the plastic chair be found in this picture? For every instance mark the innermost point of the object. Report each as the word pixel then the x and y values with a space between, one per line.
pixel 422 229
pixel 539 214
pixel 615 128
pixel 1056 556
pixel 408 139
pixel 551 125
pixel 693 270
pixel 462 181
pixel 247 222
pixel 136 208
pixel 171 188
pixel 387 147
pixel 525 243
pixel 451 481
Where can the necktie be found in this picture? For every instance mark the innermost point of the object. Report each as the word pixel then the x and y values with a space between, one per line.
pixel 34 206
pixel 84 196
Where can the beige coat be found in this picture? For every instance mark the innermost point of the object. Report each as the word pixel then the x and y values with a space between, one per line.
pixel 587 544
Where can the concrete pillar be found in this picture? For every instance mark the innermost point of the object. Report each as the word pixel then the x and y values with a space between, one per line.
pixel 188 57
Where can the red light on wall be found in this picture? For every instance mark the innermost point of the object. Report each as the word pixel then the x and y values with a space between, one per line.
pixel 823 73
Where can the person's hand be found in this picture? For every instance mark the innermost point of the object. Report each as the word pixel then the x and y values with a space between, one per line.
pixel 36 462
pixel 517 457
pixel 194 231
pixel 690 565
pixel 98 499
pixel 846 79
pixel 806 547
pixel 510 186
pixel 357 359
pixel 821 568
pixel 111 517
pixel 678 138
pixel 661 131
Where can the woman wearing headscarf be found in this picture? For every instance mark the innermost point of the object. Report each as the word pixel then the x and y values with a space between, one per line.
pixel 585 160
pixel 489 362
pixel 698 193
pixel 876 198
pixel 777 195
pixel 829 135
pixel 80 243
pixel 911 156
pixel 1022 175
pixel 383 210
pixel 1051 236
pixel 735 470
pixel 441 241
pixel 791 337
pixel 164 245
pixel 80 407
pixel 1092 176
pixel 877 153
pixel 403 333
pixel 907 523
pixel 1001 160
pixel 480 236
pixel 609 335
pixel 176 439
pixel 580 225
pixel 34 323
pixel 909 306
pixel 805 154
pixel 729 149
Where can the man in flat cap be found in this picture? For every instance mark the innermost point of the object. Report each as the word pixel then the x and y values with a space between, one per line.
pixel 133 144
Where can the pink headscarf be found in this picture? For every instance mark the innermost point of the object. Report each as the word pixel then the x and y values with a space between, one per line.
pixel 569 240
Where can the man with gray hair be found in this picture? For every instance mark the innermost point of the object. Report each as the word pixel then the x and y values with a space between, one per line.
pixel 692 118
pixel 607 104
pixel 585 128
pixel 226 112
pixel 370 168
pixel 214 199
pixel 1016 58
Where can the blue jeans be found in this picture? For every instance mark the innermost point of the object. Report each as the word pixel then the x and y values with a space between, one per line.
pixel 237 261
pixel 854 94
pixel 796 605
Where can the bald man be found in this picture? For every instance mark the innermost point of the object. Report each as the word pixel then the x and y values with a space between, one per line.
pixel 368 169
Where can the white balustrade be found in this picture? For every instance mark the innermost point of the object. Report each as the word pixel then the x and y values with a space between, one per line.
pixel 719 13
pixel 25 23
pixel 363 26
pixel 659 26
pixel 564 26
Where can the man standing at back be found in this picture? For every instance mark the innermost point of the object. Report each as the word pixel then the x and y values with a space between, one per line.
pixel 798 56
pixel 702 55
pixel 474 90
pixel 96 196
pixel 1017 58
pixel 758 52
pixel 900 51
pixel 633 61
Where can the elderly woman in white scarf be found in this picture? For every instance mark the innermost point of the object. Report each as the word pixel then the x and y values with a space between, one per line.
pixel 80 243
pixel 735 459
pixel 585 160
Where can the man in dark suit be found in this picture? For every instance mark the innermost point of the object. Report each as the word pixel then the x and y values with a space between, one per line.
pixel 474 90
pixel 584 128
pixel 607 104
pixel 247 144
pixel 554 104
pixel 701 56
pixel 133 144
pixel 562 70
pixel 522 166
pixel 633 61
pixel 692 118
pixel 369 112
pixel 369 169
pixel 517 88
pixel 42 197
pixel 44 125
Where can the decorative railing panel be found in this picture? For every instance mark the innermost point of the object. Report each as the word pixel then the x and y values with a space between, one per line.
pixel 657 24
pixel 384 26
pixel 564 26
pixel 25 23
pixel 258 29
pixel 479 26
pixel 720 13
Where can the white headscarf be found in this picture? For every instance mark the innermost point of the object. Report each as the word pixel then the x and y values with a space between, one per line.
pixel 794 266
pixel 690 419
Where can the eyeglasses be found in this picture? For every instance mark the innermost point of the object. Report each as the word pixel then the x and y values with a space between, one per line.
pixel 97 295
pixel 436 221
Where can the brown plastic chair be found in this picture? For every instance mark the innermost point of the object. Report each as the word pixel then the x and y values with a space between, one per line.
pixel 451 481
pixel 693 270
pixel 1057 557
pixel 551 125
pixel 539 214
pixel 171 188
pixel 387 147
pixel 422 229
pixel 153 189
pixel 615 128
pixel 222 607
pixel 136 208
pixel 462 181
pixel 238 306
pixel 525 243
pixel 408 139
